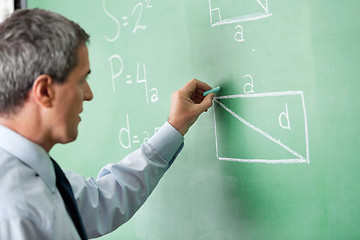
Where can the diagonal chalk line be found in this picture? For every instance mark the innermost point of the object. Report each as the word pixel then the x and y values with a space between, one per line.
pixel 261 131
pixel 266 7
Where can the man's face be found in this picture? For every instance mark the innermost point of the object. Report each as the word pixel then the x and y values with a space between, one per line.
pixel 70 97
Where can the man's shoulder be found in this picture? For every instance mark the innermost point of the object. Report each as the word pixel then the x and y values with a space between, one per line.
pixel 22 192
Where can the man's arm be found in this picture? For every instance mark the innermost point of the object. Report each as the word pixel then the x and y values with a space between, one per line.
pixel 122 188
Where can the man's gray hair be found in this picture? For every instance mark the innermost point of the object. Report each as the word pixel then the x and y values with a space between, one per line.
pixel 35 42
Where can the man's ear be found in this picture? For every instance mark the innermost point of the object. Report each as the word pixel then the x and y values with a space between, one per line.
pixel 43 90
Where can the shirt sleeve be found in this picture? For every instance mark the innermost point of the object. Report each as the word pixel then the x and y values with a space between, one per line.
pixel 122 188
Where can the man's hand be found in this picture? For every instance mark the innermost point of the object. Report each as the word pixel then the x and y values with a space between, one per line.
pixel 187 104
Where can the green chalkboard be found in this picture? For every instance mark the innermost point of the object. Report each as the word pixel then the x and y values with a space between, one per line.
pixel 277 156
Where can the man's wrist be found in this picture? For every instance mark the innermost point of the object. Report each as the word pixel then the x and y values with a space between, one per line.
pixel 179 127
pixel 166 141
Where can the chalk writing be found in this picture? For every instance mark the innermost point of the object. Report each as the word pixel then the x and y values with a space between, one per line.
pixel 239 35
pixel 138 25
pixel 141 78
pixel 299 158
pixel 216 19
pixel 148 3
pixel 135 18
pixel 249 87
pixel 114 75
pixel 116 22
pixel 286 116
pixel 259 9
pixel 128 140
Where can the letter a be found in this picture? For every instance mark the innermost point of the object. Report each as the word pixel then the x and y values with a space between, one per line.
pixel 286 115
pixel 250 85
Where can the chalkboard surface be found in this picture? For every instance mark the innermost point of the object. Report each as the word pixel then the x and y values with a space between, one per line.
pixel 277 157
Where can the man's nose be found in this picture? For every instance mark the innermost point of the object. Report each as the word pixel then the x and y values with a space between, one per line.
pixel 88 95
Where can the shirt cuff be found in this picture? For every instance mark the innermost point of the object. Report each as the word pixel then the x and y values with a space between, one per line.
pixel 167 141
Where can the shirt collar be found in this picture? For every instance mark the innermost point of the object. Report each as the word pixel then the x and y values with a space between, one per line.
pixel 29 153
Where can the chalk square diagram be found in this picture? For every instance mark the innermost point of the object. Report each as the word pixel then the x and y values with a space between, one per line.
pixel 234 11
pixel 262 127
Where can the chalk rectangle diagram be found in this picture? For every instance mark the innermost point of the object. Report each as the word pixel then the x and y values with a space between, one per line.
pixel 235 11
pixel 262 127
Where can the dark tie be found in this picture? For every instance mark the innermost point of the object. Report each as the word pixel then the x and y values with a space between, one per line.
pixel 67 195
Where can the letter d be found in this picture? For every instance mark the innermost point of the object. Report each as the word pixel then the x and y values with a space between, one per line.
pixel 127 131
pixel 286 115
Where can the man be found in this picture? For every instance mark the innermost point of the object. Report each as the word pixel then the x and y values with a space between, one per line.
pixel 43 68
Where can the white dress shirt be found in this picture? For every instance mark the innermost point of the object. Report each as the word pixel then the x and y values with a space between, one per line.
pixel 31 207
